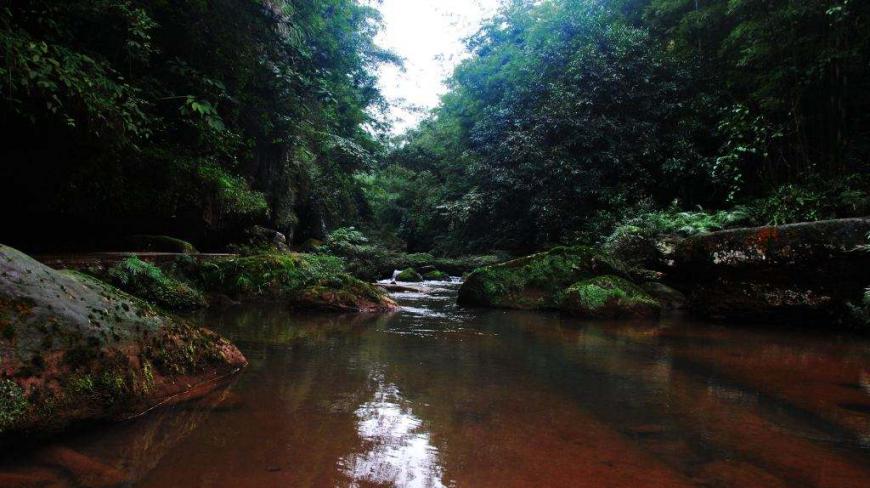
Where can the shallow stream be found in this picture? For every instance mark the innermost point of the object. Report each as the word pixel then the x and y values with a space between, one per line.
pixel 438 396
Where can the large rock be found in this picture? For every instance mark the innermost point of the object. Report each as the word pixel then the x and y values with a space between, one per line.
pixel 73 348
pixel 790 272
pixel 537 281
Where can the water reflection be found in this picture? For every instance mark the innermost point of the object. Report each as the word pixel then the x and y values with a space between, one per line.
pixel 398 450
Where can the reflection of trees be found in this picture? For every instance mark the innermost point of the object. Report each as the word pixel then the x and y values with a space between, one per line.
pixel 683 413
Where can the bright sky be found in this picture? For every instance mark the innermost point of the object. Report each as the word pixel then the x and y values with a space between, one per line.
pixel 429 35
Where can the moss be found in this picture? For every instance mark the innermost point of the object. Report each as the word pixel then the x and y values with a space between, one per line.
pixel 13 404
pixel 436 276
pixel 409 275
pixel 608 297
pixel 536 281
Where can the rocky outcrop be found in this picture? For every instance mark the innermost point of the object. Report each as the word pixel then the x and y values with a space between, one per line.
pixel 73 349
pixel 539 281
pixel 790 272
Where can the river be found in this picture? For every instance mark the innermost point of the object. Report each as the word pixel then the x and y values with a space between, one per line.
pixel 438 396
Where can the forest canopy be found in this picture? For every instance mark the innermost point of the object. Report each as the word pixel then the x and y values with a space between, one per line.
pixel 574 115
pixel 571 118
pixel 194 118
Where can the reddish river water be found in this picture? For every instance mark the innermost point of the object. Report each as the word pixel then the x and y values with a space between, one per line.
pixel 436 396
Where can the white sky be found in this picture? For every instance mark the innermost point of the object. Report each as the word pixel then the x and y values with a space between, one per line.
pixel 429 35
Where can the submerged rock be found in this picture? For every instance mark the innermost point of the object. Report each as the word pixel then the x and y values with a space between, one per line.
pixel 73 348
pixel 609 297
pixel 537 281
pixel 799 271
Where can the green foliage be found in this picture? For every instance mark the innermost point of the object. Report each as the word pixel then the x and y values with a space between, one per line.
pixel 211 116
pixel 537 281
pixel 270 274
pixel 346 236
pixel 306 280
pixel 370 260
pixel 816 200
pixel 232 194
pixel 678 222
pixel 148 282
pixel 573 116
pixel 564 106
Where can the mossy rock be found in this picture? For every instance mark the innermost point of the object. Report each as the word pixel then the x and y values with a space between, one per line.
pixel 409 275
pixel 149 243
pixel 609 297
pixel 75 349
pixel 436 275
pixel 536 282
pixel 300 280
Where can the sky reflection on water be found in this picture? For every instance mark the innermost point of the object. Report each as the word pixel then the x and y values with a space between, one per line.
pixel 399 451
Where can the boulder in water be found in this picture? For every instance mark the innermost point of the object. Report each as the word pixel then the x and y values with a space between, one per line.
pixel 796 272
pixel 409 275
